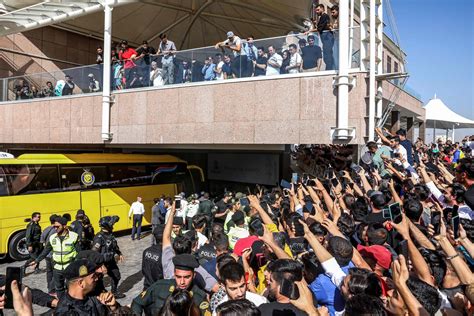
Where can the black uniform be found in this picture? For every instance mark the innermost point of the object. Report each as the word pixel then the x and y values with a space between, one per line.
pixel 106 244
pixel 85 231
pixel 152 269
pixel 90 306
pixel 33 237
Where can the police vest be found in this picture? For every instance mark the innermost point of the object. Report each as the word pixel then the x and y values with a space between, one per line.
pixel 64 251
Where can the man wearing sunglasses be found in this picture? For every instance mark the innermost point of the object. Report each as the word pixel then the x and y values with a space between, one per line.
pixel 81 279
pixel 64 245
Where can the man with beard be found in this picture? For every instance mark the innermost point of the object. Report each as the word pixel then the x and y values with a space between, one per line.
pixel 151 300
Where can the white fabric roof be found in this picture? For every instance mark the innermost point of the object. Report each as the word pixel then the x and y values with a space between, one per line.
pixel 437 111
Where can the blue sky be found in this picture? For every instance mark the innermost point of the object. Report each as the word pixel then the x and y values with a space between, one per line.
pixel 438 37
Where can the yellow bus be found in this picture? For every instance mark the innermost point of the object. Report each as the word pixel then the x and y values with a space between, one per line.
pixel 100 184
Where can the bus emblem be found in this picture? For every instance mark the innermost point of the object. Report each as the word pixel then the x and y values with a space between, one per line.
pixel 87 178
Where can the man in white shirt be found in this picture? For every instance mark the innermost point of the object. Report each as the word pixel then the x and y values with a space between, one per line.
pixel 232 276
pixel 295 60
pixel 274 62
pixel 137 210
pixel 234 43
pixel 218 70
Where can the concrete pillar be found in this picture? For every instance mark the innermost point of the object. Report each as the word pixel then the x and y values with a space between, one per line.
pixel 422 132
pixel 411 128
pixel 395 126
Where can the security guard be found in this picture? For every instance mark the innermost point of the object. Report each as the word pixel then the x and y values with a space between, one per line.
pixel 33 239
pixel 84 229
pixel 64 245
pixel 106 244
pixel 81 278
pixel 151 300
pixel 152 269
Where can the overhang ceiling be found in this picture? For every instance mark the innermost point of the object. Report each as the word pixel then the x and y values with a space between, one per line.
pixel 194 23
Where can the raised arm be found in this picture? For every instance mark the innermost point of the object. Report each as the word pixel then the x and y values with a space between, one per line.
pixel 169 227
pixel 255 203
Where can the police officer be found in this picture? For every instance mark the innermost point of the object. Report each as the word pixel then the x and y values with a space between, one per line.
pixel 99 261
pixel 33 239
pixel 63 244
pixel 152 268
pixel 106 244
pixel 81 279
pixel 84 229
pixel 151 300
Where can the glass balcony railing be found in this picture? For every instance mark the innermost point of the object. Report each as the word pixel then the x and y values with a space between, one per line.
pixel 291 54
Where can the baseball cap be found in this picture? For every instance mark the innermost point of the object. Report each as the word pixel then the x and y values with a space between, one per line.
pixel 90 75
pixel 380 254
pixel 92 256
pixel 244 243
pixel 78 269
pixel 230 34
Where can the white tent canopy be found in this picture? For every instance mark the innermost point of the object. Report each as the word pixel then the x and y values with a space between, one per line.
pixel 438 113
pixel 439 116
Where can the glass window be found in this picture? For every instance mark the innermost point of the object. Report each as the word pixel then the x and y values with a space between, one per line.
pixel 167 173
pixel 79 177
pixel 28 179
pixel 128 175
pixel 389 64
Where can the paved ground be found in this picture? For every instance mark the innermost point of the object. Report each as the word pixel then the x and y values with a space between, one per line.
pixel 131 283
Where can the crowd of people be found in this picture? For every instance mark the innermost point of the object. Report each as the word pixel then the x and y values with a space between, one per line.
pixel 236 57
pixel 391 235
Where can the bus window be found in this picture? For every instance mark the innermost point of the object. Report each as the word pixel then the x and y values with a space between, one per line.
pixel 82 177
pixel 128 175
pixel 197 176
pixel 28 179
pixel 167 173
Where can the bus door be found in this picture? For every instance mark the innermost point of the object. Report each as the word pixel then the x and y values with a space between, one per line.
pixel 197 178
pixel 90 203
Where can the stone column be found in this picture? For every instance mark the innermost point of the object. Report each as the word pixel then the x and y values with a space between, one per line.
pixel 411 128
pixel 395 126
pixel 422 132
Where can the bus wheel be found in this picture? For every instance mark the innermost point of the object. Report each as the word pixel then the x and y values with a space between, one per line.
pixel 17 247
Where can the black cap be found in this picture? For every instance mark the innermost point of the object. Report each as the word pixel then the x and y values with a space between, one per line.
pixel 92 256
pixel 78 269
pixel 238 216
pixel 61 220
pixel 178 221
pixel 80 212
pixel 185 262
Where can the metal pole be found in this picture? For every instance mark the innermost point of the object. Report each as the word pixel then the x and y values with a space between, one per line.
pixel 434 132
pixel 351 35
pixel 343 79
pixel 452 135
pixel 106 136
pixel 372 54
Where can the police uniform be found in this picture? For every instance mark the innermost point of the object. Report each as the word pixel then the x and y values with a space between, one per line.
pixel 152 300
pixel 106 244
pixel 33 240
pixel 64 251
pixel 90 305
pixel 85 231
pixel 152 268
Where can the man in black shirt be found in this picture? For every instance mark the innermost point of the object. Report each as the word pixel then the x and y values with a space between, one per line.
pixel 260 63
pixel 223 207
pixel 282 271
pixel 152 269
pixel 33 237
pixel 144 57
pixel 327 37
pixel 311 56
pixel 465 176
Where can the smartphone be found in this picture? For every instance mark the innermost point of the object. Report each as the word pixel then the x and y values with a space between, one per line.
pixel 311 182
pixel 356 168
pixel 13 273
pixel 257 226
pixel 455 224
pixel 285 184
pixel 436 221
pixel 447 214
pixel 294 178
pixel 177 202
pixel 403 249
pixel 396 212
pixel 244 202
pixel 309 206
pixel 299 229
pixel 334 182
pixel 289 289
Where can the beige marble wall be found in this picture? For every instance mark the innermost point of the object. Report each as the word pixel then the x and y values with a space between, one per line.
pixel 281 111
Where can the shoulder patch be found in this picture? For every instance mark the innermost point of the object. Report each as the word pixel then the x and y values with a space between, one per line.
pixel 172 288
pixel 204 305
pixel 207 313
pixel 142 294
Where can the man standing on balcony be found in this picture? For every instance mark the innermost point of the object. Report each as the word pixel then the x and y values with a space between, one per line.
pixel 127 55
pixel 335 29
pixel 327 37
pixel 295 60
pixel 274 62
pixel 312 56
pixel 234 43
pixel 167 49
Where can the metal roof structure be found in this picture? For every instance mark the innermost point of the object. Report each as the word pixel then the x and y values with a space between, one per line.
pixel 189 23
